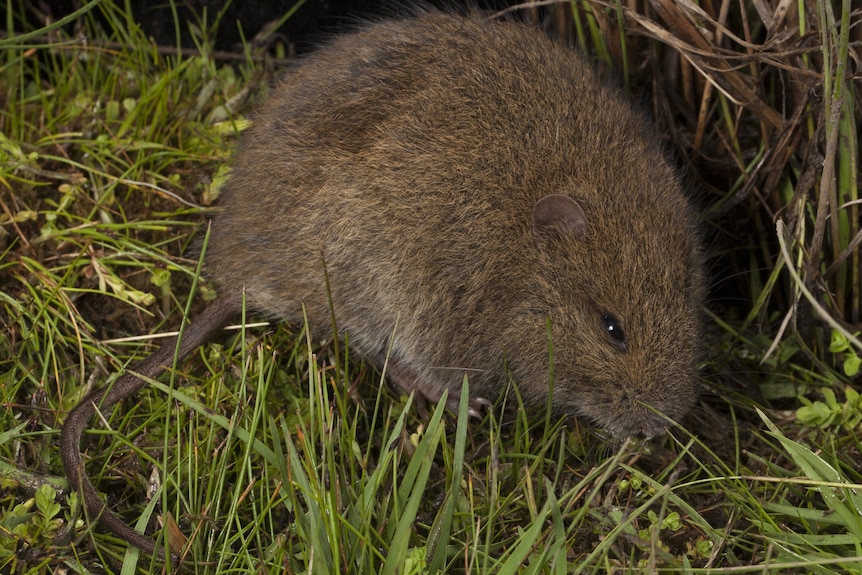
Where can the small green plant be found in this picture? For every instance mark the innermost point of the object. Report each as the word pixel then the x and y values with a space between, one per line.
pixel 844 351
pixel 829 411
pixel 32 524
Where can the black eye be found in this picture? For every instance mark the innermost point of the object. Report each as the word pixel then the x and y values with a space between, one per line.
pixel 615 330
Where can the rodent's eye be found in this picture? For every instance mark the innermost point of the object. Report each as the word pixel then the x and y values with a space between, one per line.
pixel 615 330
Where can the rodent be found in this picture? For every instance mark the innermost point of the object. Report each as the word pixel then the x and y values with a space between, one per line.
pixel 464 182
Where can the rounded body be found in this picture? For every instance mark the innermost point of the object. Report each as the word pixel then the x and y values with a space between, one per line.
pixel 410 157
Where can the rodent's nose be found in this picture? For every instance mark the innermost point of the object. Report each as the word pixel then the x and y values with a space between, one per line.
pixel 647 424
pixel 653 426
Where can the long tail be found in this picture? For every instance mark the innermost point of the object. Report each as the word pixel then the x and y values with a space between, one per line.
pixel 213 318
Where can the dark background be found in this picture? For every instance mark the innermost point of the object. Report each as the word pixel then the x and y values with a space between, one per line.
pixel 312 22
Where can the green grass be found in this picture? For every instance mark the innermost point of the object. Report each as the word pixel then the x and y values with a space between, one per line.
pixel 271 453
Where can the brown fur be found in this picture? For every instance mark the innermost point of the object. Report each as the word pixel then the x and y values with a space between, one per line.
pixel 410 157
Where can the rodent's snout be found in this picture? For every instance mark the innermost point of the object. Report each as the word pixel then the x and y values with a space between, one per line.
pixel 652 425
pixel 626 417
pixel 646 425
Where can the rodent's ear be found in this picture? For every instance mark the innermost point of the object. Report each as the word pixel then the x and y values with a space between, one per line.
pixel 557 214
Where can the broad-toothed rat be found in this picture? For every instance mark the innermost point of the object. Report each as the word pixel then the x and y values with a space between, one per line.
pixel 467 181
